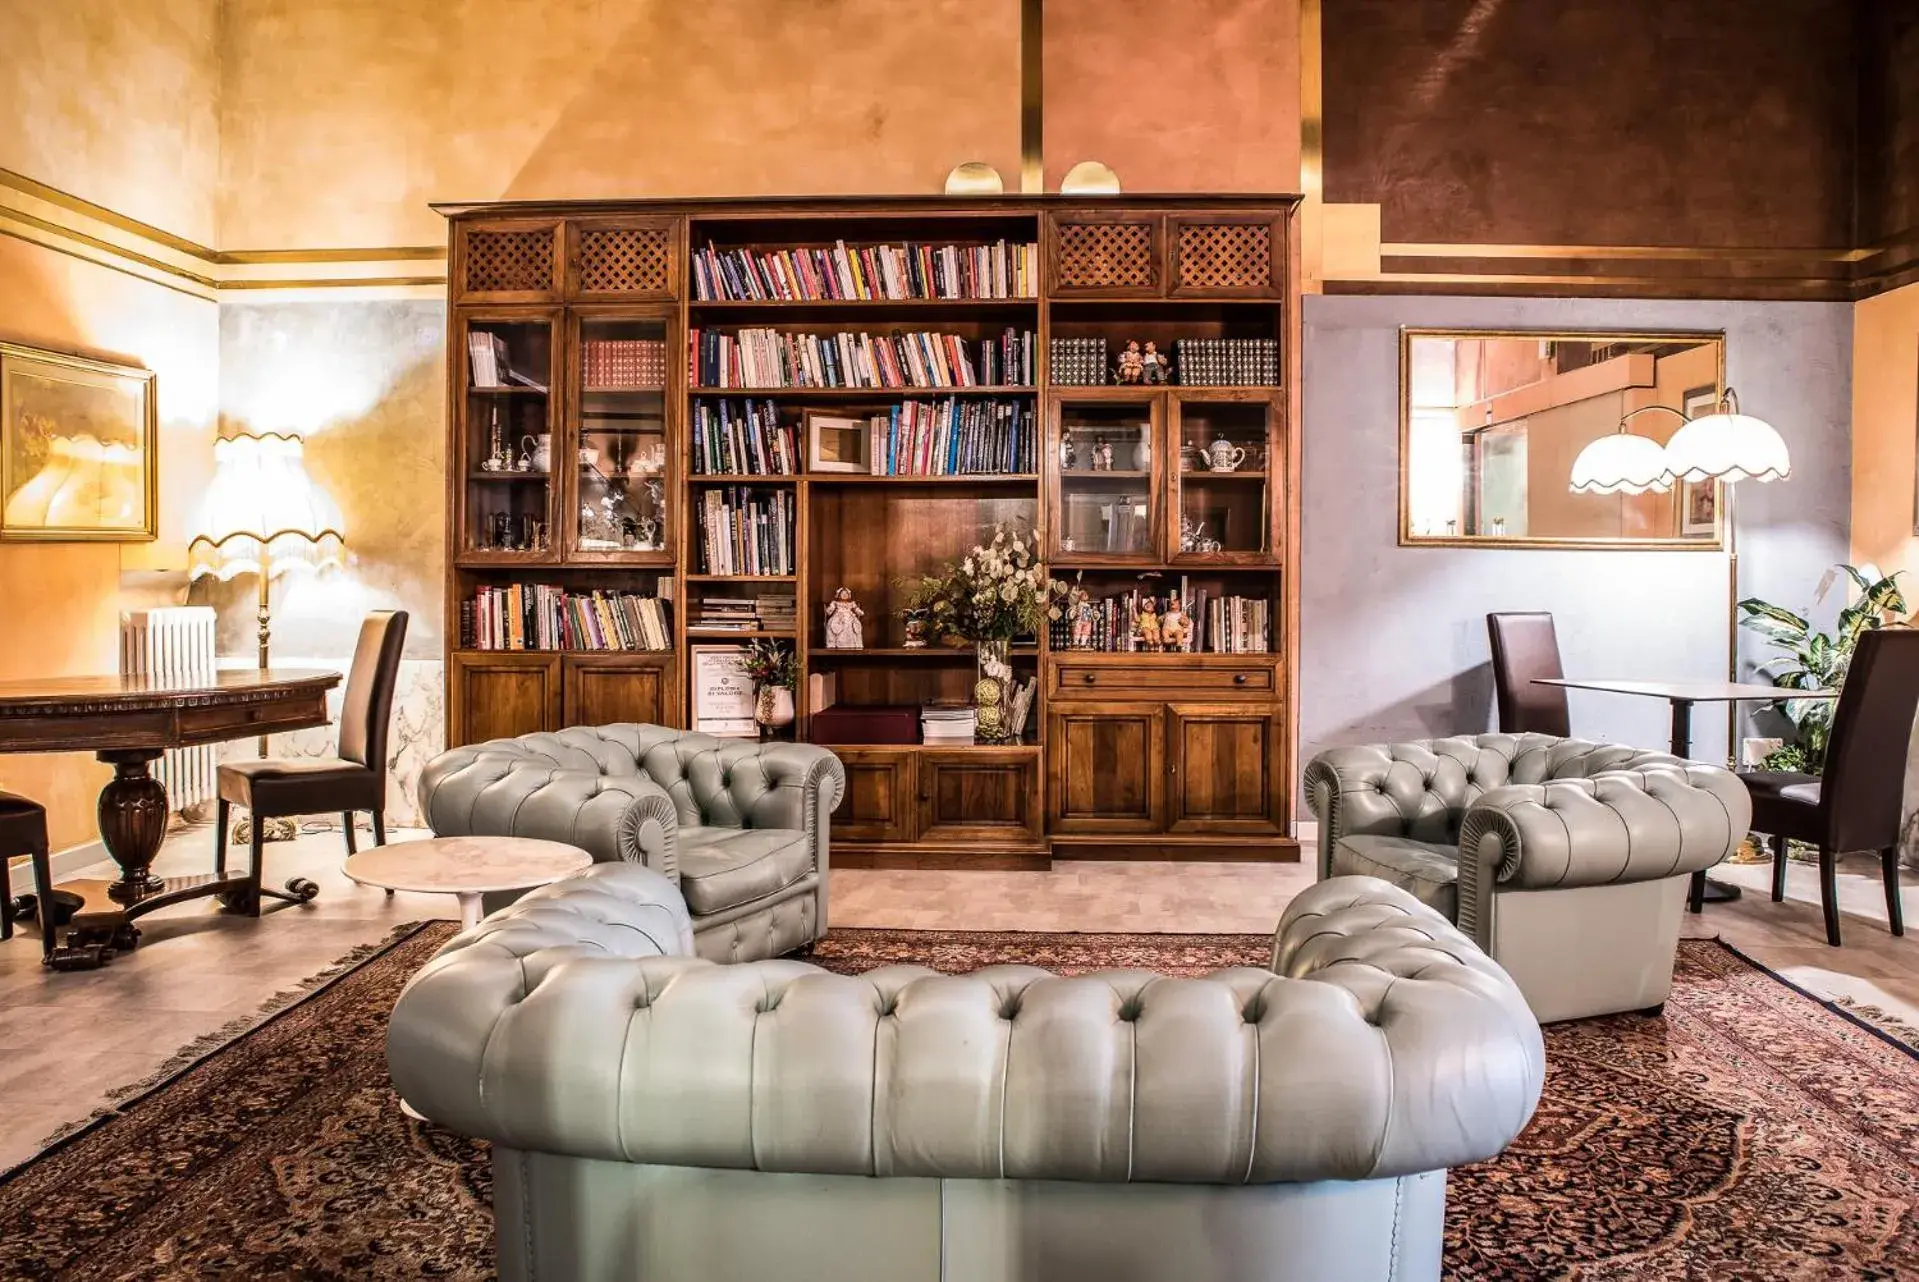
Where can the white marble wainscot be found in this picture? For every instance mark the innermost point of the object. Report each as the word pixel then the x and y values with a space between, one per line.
pixel 416 736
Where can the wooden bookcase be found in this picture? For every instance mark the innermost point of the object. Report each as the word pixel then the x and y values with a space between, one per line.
pixel 1127 754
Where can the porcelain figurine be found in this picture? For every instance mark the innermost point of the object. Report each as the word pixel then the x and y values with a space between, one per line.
pixel 1084 616
pixel 1175 628
pixel 914 623
pixel 1103 456
pixel 843 628
pixel 1146 625
pixel 1155 368
pixel 1132 365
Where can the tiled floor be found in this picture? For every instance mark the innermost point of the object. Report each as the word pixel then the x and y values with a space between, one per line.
pixel 69 1038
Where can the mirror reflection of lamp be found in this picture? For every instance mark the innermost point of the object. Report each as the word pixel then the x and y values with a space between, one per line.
pixel 84 482
pixel 263 515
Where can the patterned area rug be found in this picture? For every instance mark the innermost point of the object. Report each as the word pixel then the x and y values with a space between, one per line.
pixel 1752 1133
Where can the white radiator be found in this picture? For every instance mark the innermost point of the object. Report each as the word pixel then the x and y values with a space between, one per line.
pixel 174 645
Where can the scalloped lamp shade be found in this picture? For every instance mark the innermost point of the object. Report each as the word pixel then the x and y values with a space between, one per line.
pixel 263 510
pixel 1622 463
pixel 1728 447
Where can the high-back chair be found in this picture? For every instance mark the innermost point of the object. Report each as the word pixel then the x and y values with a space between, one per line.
pixel 1525 648
pixel 1856 804
pixel 351 782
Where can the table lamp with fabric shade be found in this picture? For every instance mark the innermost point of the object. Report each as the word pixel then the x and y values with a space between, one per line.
pixel 263 515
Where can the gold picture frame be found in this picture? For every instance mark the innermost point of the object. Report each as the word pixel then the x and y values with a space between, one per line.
pixel 1699 500
pixel 79 450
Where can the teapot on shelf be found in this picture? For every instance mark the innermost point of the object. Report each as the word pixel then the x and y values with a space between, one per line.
pixel 1223 456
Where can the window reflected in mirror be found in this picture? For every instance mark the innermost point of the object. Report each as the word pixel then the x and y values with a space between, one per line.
pixel 1490 424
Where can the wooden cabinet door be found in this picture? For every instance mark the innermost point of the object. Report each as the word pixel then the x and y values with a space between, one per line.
pixel 499 696
pixel 979 797
pixel 878 805
pixel 609 689
pixel 1106 767
pixel 1224 769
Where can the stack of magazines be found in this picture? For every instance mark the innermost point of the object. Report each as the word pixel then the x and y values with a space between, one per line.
pixel 943 723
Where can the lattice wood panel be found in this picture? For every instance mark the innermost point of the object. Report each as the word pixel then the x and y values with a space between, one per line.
pixel 1228 257
pixel 1106 256
pixel 624 260
pixel 500 262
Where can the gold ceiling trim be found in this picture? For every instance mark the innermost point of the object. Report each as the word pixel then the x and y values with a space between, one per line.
pixel 1672 253
pixel 1543 278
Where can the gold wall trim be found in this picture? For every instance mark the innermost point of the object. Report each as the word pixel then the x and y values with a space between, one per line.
pixel 59 220
pixel 1673 253
pixel 1312 145
pixel 1032 96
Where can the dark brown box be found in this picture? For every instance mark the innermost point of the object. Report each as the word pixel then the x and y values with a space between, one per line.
pixel 854 723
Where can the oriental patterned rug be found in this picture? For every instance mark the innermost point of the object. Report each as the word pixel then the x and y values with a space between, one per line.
pixel 1752 1133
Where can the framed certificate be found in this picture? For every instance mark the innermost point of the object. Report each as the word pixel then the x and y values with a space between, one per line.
pixel 723 693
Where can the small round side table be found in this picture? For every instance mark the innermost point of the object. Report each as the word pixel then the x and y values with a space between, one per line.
pixel 467 867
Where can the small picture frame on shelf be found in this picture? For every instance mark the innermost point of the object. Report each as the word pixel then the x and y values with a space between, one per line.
pixel 835 443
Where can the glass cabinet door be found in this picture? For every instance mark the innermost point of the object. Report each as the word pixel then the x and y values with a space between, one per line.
pixel 1224 469
pixel 621 499
pixel 1104 453
pixel 507 424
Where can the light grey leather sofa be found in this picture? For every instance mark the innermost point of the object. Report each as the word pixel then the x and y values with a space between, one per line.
pixel 657 1117
pixel 1566 860
pixel 740 828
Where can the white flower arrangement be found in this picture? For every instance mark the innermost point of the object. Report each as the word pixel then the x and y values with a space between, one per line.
pixel 996 592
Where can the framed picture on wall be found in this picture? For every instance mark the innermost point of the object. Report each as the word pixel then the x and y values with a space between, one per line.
pixel 1699 500
pixel 78 449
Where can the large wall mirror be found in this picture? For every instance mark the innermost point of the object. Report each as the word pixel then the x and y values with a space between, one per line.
pixel 1491 422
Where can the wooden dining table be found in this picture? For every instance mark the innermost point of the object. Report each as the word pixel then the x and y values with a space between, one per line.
pixel 128 722
pixel 1682 696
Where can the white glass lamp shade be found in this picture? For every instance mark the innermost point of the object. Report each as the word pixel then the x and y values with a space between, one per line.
pixel 262 511
pixel 1622 463
pixel 1728 447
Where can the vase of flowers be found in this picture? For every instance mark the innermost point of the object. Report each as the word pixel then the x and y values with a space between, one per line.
pixel 996 592
pixel 774 670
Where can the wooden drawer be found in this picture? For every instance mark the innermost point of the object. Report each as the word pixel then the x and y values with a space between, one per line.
pixel 1202 676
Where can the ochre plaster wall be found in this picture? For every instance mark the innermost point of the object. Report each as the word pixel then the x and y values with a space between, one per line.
pixel 1885 428
pixel 63 600
pixel 340 120
pixel 113 101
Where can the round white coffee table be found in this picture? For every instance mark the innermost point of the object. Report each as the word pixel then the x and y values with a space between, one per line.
pixel 467 867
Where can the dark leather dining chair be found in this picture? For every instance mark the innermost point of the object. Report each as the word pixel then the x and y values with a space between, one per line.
pixel 349 783
pixel 1525 648
pixel 23 831
pixel 1855 805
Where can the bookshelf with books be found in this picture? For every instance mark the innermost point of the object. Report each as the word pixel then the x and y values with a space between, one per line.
pixel 750 404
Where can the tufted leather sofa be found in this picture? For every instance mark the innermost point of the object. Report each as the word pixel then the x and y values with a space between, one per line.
pixel 654 1116
pixel 739 828
pixel 1566 860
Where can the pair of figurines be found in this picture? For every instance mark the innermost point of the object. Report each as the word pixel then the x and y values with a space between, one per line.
pixel 1172 630
pixel 1150 367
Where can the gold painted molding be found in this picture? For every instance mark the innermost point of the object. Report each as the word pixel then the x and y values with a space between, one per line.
pixel 60 221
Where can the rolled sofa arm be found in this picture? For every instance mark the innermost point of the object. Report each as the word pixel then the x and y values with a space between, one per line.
pixel 1662 820
pixel 754 785
pixel 493 790
pixel 1405 1060
pixel 1387 789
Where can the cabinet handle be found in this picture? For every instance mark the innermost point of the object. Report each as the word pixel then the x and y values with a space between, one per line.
pixel 1088 678
pixel 1239 678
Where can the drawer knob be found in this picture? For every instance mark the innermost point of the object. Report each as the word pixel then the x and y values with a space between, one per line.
pixel 1088 678
pixel 1239 678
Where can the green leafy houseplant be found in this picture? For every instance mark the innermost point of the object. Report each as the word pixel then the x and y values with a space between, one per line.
pixel 770 663
pixel 1813 660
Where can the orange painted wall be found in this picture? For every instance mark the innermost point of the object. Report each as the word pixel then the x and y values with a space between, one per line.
pixel 63 600
pixel 113 101
pixel 1885 431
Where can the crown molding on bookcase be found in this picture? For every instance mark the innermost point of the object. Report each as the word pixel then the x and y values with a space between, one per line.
pixel 53 219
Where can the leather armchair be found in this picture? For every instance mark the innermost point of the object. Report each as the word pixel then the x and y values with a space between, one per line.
pixel 1566 860
pixel 659 1117
pixel 738 828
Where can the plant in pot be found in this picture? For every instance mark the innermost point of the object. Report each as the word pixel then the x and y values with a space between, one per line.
pixel 993 594
pixel 774 670
pixel 1814 660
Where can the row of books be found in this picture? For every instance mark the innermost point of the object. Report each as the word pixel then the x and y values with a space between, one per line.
pixel 1216 624
pixel 543 616
pixel 954 437
pixel 1077 362
pixel 621 363
pixel 746 531
pixel 771 358
pixel 870 272
pixel 491 368
pixel 1226 362
pixel 743 438
pixel 770 613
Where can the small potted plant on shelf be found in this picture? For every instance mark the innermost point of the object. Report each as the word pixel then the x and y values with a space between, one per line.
pixel 996 592
pixel 774 670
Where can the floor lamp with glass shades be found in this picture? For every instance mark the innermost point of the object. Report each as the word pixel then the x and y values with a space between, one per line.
pixel 263 515
pixel 1724 446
